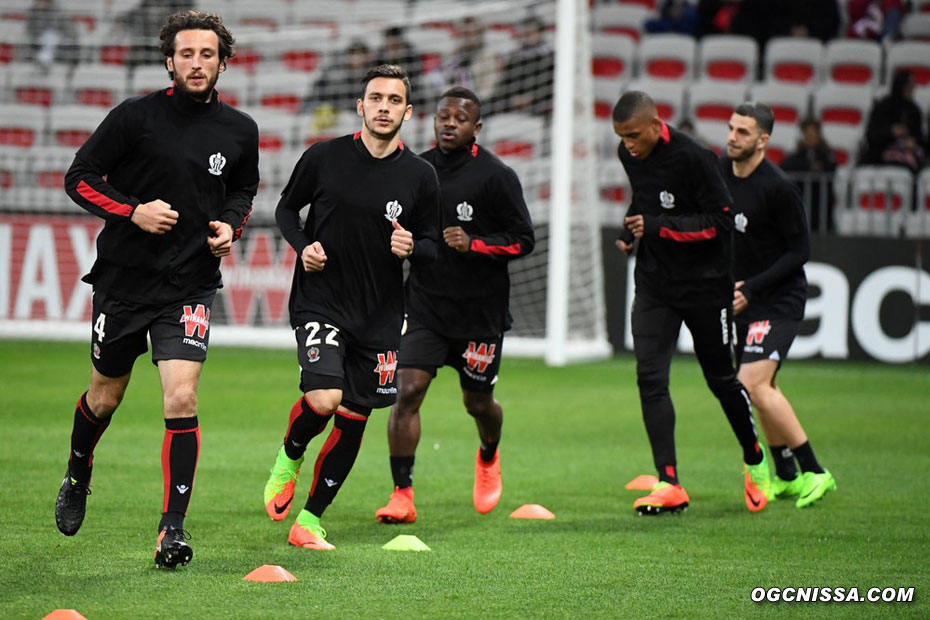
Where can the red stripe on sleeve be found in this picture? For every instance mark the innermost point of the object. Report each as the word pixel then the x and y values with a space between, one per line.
pixel 700 235
pixel 481 247
pixel 104 202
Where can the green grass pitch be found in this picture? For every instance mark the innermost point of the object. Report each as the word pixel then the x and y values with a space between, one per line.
pixel 572 438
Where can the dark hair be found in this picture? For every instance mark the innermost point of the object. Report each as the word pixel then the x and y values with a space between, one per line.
pixel 386 71
pixel 460 92
pixel 810 121
pixel 759 111
pixel 899 82
pixel 630 104
pixel 196 20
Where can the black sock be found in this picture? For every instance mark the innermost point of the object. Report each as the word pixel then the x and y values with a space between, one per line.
pixel 335 461
pixel 178 463
pixel 668 474
pixel 806 459
pixel 305 424
pixel 85 434
pixel 402 471
pixel 736 406
pixel 783 458
pixel 171 519
pixel 488 450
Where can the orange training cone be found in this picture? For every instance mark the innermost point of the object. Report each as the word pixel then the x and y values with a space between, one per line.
pixel 64 614
pixel 643 482
pixel 531 511
pixel 270 572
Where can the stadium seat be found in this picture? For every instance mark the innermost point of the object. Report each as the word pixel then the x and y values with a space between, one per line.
pixel 714 102
pixel 612 57
pixel 275 128
pixel 789 103
pixel 514 134
pixel 606 93
pixel 283 91
pixel 379 11
pixel 918 223
pixel 728 58
pixel 30 84
pixel 620 19
pixel 615 192
pixel 845 140
pixel 22 125
pixel 87 15
pixel 251 51
pixel 667 57
pixel 148 78
pixel 235 88
pixel 303 52
pixel 793 60
pixel 842 105
pixel 267 14
pixel 14 41
pixel 71 125
pixel 916 26
pixel 13 171
pixel 98 84
pixel 782 141
pixel 669 97
pixel 433 44
pixel 46 175
pixel 911 55
pixel 329 13
pixel 853 62
pixel 881 200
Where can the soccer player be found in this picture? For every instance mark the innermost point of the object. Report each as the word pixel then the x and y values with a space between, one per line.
pixel 771 245
pixel 680 220
pixel 458 306
pixel 372 203
pixel 173 173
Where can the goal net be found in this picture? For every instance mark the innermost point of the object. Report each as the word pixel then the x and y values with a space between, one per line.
pixel 297 74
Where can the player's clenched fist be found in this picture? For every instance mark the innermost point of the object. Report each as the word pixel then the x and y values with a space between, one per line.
pixel 456 238
pixel 220 241
pixel 156 217
pixel 401 241
pixel 313 257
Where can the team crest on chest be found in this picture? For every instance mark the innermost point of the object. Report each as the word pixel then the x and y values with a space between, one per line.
pixel 464 211
pixel 392 210
pixel 217 162
pixel 667 200
pixel 741 221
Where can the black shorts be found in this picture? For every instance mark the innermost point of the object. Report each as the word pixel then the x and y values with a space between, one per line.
pixel 767 339
pixel 477 360
pixel 179 331
pixel 331 361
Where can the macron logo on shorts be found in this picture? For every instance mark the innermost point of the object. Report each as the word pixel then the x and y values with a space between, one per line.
pixel 197 320
pixel 387 365
pixel 757 332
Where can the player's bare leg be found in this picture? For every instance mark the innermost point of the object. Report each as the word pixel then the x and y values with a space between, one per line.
pixel 403 438
pixel 180 451
pixel 489 418
pixel 785 434
pixel 91 418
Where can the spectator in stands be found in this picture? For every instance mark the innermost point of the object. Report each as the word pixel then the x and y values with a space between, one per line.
pixel 686 126
pixel 894 133
pixel 397 50
pixel 51 33
pixel 526 82
pixel 875 19
pixel 679 16
pixel 471 65
pixel 819 19
pixel 815 163
pixel 751 18
pixel 338 84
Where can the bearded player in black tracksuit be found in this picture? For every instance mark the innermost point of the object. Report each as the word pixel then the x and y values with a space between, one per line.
pixel 458 306
pixel 680 216
pixel 173 174
pixel 372 203
pixel 771 245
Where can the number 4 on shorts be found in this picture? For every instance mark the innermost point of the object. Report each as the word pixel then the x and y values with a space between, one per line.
pixel 98 326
